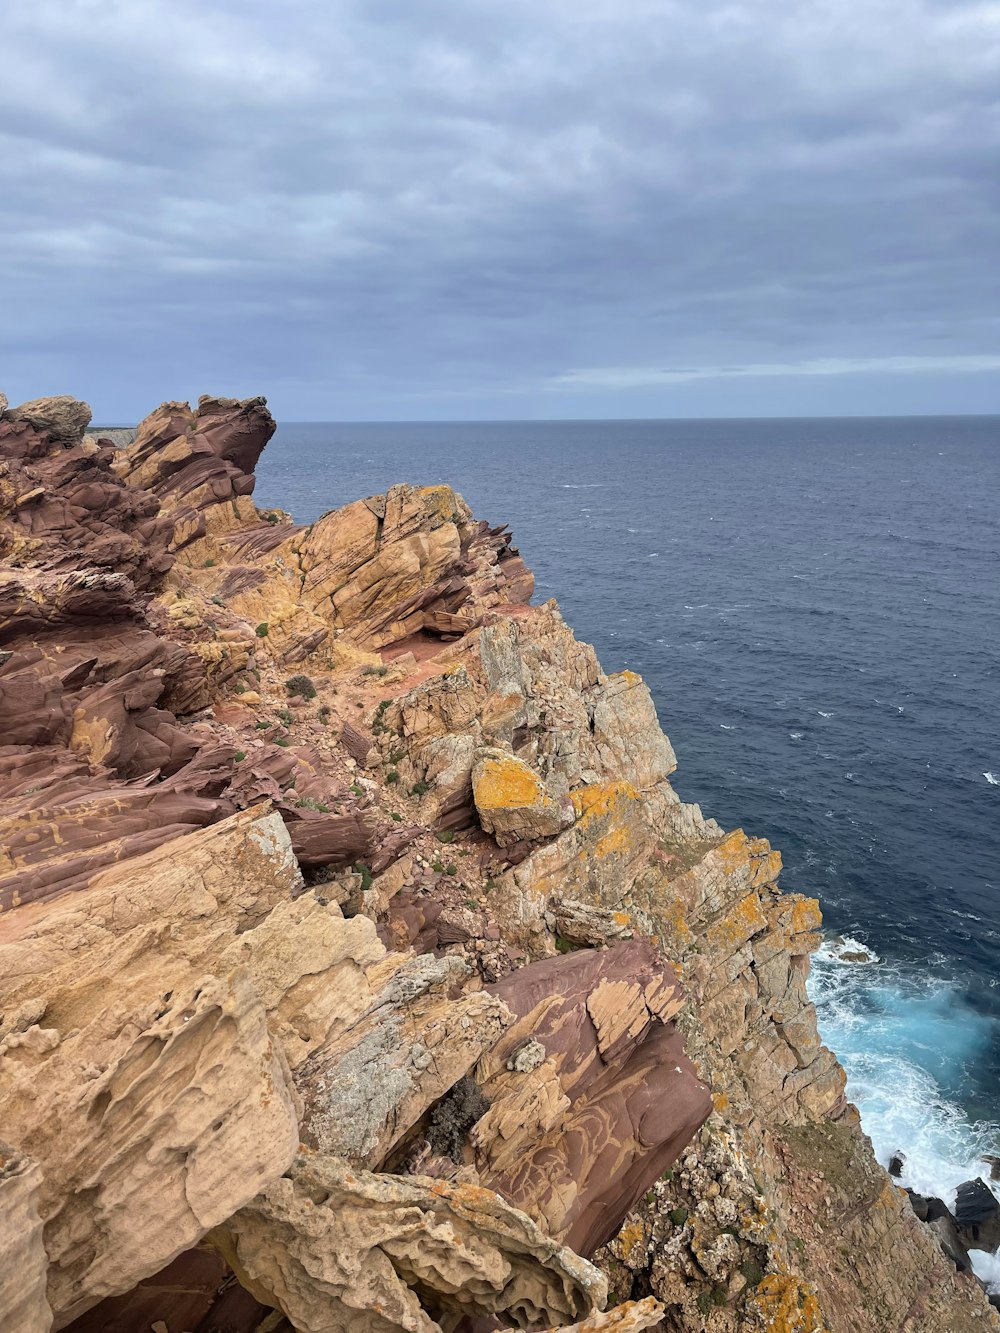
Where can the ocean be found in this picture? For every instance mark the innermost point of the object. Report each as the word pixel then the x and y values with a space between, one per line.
pixel 815 605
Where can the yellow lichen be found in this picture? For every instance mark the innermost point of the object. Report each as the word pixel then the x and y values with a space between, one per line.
pixel 806 916
pixel 631 1237
pixel 617 840
pixel 786 1304
pixel 746 919
pixel 507 784
pixel 439 501
pixel 601 798
pixel 733 851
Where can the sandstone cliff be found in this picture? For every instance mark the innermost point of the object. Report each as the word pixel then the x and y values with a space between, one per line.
pixel 360 968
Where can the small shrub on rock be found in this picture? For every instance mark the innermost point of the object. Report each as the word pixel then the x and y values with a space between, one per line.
pixel 453 1117
pixel 301 685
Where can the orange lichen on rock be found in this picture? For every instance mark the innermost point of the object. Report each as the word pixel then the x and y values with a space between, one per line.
pixel 513 802
pixel 601 798
pixel 616 840
pixel 787 1304
pixel 806 916
pixel 506 784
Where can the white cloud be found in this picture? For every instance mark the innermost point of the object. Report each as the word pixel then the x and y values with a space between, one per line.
pixel 448 197
pixel 636 377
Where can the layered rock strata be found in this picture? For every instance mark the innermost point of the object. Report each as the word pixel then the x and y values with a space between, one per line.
pixel 360 968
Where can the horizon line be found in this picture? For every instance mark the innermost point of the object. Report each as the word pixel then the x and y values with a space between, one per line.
pixel 542 421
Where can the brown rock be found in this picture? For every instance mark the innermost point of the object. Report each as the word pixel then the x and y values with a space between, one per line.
pixel 614 1103
pixel 24 1307
pixel 64 419
pixel 512 802
pixel 336 1248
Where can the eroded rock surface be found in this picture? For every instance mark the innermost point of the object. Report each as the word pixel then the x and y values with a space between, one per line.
pixel 358 961
pixel 333 1246
pixel 24 1306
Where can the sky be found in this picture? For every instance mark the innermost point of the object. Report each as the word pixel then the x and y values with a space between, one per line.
pixel 470 209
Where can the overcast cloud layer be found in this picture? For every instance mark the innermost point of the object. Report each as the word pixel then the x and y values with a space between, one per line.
pixel 478 208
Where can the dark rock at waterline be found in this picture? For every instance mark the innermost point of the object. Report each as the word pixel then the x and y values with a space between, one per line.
pixel 950 1241
pixel 939 1219
pixel 993 1162
pixel 896 1163
pixel 977 1213
pixel 928 1207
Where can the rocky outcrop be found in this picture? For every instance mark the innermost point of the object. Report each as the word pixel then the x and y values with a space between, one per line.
pixel 604 1103
pixel 23 1301
pixel 332 1246
pixel 360 968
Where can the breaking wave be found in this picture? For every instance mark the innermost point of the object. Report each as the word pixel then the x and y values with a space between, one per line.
pixel 908 1041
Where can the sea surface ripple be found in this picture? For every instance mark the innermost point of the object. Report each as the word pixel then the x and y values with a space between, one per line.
pixel 815 605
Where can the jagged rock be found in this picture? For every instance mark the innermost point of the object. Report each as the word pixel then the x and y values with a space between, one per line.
pixel 24 1307
pixel 338 1248
pixel 941 1223
pixel 896 1163
pixel 154 1076
pixel 582 925
pixel 977 1215
pixel 628 1318
pixel 63 418
pixel 147 614
pixel 576 1139
pixel 197 464
pixel 626 732
pixel 512 802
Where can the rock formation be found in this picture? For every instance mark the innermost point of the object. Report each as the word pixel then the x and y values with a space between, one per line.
pixel 360 968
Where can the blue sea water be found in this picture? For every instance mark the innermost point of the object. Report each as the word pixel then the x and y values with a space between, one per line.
pixel 815 605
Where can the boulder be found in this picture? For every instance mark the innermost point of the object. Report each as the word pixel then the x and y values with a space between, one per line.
pixel 63 418
pixel 977 1216
pixel 346 1249
pixel 513 802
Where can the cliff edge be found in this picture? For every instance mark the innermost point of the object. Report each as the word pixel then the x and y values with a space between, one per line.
pixel 360 969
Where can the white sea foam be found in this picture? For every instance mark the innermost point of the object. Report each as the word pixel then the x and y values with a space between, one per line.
pixel 992 779
pixel 987 1267
pixel 795 735
pixel 906 1039
pixel 822 714
pixel 725 727
pixel 840 948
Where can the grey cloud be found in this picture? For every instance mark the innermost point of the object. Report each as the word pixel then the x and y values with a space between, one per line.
pixel 430 207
